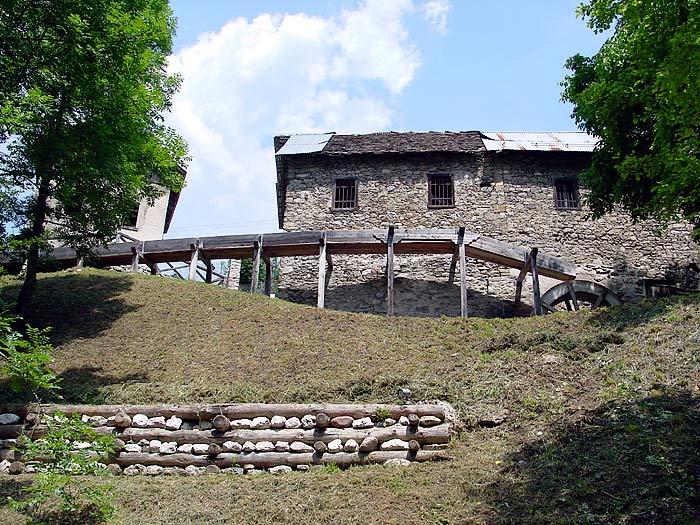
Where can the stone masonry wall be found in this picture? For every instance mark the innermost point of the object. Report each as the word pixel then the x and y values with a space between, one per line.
pixel 508 196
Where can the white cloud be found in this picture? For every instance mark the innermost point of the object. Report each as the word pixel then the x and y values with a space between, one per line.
pixel 435 13
pixel 280 73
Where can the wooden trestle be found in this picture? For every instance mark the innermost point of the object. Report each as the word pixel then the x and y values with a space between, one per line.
pixel 324 244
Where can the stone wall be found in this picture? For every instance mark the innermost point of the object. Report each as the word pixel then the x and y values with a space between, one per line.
pixel 508 196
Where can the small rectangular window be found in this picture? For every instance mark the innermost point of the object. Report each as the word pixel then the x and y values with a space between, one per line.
pixel 566 194
pixel 133 218
pixel 345 194
pixel 440 191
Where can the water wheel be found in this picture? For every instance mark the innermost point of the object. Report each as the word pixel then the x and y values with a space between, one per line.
pixel 574 295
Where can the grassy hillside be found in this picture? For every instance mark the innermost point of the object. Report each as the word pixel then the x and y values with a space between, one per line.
pixel 603 408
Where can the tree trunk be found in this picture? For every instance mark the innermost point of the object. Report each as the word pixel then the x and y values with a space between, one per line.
pixel 36 231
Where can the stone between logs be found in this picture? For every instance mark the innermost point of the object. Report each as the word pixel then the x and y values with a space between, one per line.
pixel 271 459
pixel 431 435
pixel 247 410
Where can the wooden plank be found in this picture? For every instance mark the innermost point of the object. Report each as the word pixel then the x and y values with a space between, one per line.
pixel 462 273
pixel 453 266
pixel 521 277
pixel 535 282
pixel 194 260
pixel 257 255
pixel 321 299
pixel 390 271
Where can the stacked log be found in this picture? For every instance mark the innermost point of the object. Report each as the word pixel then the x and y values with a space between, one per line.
pixel 241 438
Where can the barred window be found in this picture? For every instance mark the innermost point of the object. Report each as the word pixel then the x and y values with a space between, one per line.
pixel 440 191
pixel 566 194
pixel 345 194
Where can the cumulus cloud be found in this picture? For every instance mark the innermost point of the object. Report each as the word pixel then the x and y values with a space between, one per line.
pixel 280 73
pixel 435 13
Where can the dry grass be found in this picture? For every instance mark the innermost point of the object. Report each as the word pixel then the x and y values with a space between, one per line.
pixel 625 378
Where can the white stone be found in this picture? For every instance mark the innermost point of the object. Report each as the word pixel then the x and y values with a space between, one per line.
pixel 31 469
pixel 394 444
pixel 351 446
pixel 153 470
pixel 264 446
pixel 308 422
pixel 145 443
pixel 154 445
pixel 232 446
pixel 132 470
pixel 84 418
pixel 186 448
pixel 292 422
pixel 240 423
pixel 132 447
pixel 280 469
pixel 282 446
pixel 191 470
pixel 298 446
pixel 260 423
pixel 139 421
pixel 335 446
pixel 430 421
pixel 248 446
pixel 156 422
pixel 403 420
pixel 278 421
pixel 110 421
pixel 389 422
pixel 168 448
pixel 200 448
pixel 397 462
pixel 81 445
pixel 173 423
pixel 364 422
pixel 4 466
pixel 98 421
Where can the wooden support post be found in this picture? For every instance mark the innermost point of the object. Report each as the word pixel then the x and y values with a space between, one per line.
pixel 521 277
pixel 322 272
pixel 268 274
pixel 137 252
pixel 154 269
pixel 257 255
pixel 390 271
pixel 462 272
pixel 329 262
pixel 80 262
pixel 572 293
pixel 535 282
pixel 453 266
pixel 194 260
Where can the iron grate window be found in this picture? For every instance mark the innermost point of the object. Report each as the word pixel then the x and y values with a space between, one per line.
pixel 566 194
pixel 440 191
pixel 345 194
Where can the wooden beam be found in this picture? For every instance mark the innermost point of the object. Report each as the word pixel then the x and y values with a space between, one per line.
pixel 175 269
pixel 322 262
pixel 462 272
pixel 268 276
pixel 194 259
pixel 535 282
pixel 257 255
pixel 390 272
pixel 521 277
pixel 572 293
pixel 453 266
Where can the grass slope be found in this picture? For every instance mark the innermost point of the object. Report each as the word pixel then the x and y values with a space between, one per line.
pixel 603 408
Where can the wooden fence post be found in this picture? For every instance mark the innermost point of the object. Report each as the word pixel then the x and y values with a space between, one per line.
pixel 535 282
pixel 390 271
pixel 462 272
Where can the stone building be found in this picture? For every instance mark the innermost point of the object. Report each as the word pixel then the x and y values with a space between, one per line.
pixel 521 188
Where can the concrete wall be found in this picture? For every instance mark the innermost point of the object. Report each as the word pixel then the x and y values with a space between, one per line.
pixel 508 196
pixel 151 219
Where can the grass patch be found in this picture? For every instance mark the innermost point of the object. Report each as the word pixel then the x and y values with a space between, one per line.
pixel 603 406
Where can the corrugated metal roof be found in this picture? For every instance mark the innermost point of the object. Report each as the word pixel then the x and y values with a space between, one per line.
pixel 539 141
pixel 306 143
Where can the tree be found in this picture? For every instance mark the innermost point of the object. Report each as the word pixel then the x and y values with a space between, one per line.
pixel 639 95
pixel 83 91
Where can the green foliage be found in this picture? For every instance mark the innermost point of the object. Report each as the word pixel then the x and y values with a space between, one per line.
pixel 82 97
pixel 25 359
pixel 639 95
pixel 57 490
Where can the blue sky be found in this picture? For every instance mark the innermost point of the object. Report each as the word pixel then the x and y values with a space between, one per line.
pixel 254 69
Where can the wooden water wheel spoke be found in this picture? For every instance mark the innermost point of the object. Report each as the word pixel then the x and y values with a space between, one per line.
pixel 574 295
